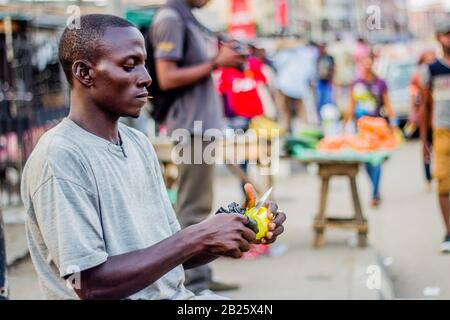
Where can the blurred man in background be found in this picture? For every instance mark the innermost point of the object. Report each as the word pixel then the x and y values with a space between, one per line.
pixel 296 72
pixel 427 57
pixel 436 115
pixel 325 73
pixel 183 64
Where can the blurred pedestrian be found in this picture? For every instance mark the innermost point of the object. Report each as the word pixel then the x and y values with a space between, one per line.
pixel 239 89
pixel 362 51
pixel 413 123
pixel 325 73
pixel 436 116
pixel 369 97
pixel 295 67
pixel 183 64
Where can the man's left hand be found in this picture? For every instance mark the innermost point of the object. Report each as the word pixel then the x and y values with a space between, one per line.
pixel 277 217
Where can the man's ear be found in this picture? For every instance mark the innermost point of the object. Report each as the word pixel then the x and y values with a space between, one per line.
pixel 83 71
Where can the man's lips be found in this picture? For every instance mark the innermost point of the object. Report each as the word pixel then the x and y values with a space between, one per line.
pixel 143 95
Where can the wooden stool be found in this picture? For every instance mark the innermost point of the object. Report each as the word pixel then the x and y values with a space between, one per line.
pixel 322 222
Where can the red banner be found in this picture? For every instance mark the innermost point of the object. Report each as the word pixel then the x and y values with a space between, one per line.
pixel 242 24
pixel 282 18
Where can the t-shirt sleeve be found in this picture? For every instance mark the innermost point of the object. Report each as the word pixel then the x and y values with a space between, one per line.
pixel 69 221
pixel 168 36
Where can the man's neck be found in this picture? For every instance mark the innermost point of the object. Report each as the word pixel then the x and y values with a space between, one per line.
pixel 94 120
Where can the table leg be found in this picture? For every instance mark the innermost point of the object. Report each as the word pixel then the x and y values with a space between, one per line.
pixel 359 217
pixel 321 220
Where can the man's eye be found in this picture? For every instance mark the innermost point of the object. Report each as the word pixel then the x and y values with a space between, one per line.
pixel 128 68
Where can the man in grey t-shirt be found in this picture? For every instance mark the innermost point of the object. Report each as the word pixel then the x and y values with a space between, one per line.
pixel 99 223
pixel 182 62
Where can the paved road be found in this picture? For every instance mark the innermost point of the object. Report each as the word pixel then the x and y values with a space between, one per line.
pixel 406 232
pixel 409 229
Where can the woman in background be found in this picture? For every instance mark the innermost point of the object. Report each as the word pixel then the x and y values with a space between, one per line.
pixel 369 97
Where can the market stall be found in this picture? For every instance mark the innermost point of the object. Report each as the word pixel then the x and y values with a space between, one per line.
pixel 342 156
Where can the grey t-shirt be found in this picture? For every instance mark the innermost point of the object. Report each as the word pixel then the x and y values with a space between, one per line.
pixel 199 102
pixel 436 77
pixel 86 201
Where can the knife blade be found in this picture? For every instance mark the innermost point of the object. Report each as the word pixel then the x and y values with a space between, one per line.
pixel 263 199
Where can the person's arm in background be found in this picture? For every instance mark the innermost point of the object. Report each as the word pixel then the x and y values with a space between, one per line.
pixel 425 119
pixel 426 107
pixel 349 116
pixel 171 76
pixel 168 34
pixel 389 109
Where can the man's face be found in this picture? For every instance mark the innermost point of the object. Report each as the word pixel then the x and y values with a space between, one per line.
pixel 198 4
pixel 121 78
pixel 444 39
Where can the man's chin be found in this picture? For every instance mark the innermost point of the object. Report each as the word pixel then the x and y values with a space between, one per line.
pixel 134 114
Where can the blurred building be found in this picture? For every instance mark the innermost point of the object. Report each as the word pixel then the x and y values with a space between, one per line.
pixel 424 19
pixel 373 20
pixel 321 20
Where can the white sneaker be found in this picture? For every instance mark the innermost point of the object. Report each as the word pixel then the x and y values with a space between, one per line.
pixel 445 246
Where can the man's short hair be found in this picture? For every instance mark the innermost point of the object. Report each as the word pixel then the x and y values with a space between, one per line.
pixel 84 42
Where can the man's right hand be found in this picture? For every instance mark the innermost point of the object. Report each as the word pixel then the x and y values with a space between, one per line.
pixel 229 58
pixel 225 235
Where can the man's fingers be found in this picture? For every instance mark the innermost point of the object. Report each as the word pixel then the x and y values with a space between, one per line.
pixel 272 206
pixel 280 218
pixel 248 234
pixel 235 254
pixel 241 218
pixel 244 246
pixel 250 194
pixel 278 231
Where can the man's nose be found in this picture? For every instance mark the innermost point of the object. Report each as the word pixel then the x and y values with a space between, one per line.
pixel 146 79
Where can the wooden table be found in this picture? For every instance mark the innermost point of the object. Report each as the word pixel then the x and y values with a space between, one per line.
pixel 345 164
pixel 322 222
pixel 229 152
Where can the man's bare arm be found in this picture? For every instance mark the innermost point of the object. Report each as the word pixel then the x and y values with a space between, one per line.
pixel 199 260
pixel 425 114
pixel 122 276
pixel 171 76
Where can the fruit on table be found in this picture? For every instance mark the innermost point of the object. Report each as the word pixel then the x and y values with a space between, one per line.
pixel 266 128
pixel 374 134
